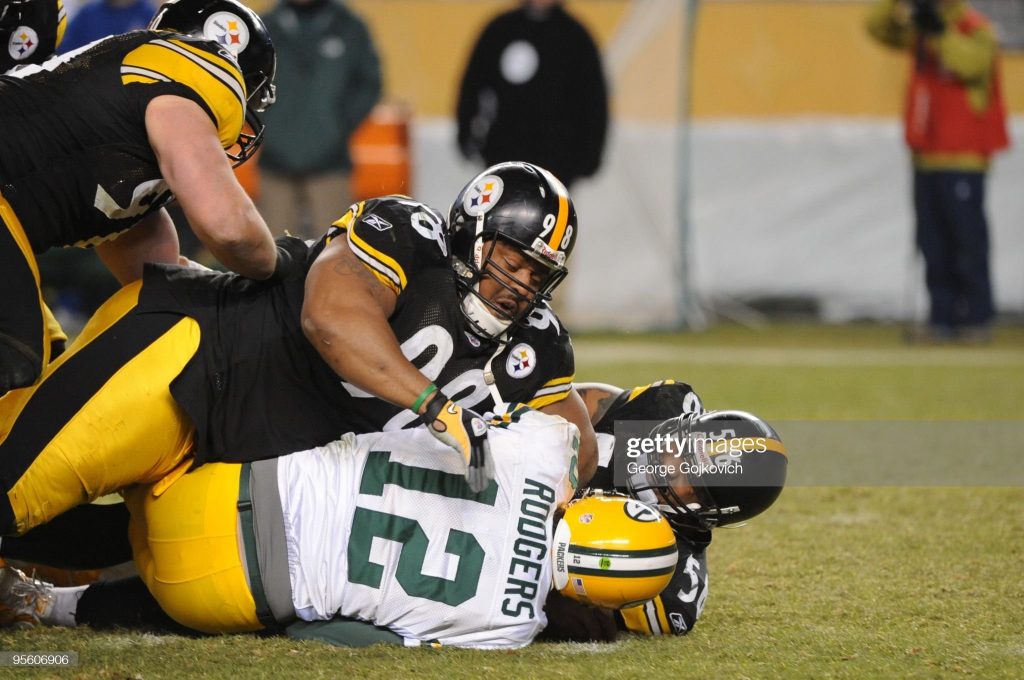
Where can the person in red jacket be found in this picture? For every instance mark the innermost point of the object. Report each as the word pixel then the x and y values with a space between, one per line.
pixel 954 121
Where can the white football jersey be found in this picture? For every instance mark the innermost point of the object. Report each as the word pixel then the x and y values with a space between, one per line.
pixel 383 528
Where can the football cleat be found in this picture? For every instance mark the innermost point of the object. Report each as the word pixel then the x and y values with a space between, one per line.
pixel 23 600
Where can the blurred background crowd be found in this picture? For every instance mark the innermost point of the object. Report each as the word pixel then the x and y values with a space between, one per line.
pixel 735 160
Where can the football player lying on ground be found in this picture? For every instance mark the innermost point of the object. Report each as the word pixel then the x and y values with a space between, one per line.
pixel 96 142
pixel 127 603
pixel 382 528
pixel 189 366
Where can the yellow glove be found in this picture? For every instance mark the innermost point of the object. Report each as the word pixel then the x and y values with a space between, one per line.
pixel 466 432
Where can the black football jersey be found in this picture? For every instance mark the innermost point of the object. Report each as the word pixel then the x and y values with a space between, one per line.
pixel 258 389
pixel 677 608
pixel 75 160
pixel 403 244
pixel 30 31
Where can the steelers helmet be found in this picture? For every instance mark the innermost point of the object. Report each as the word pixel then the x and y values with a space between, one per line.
pixel 612 551
pixel 241 33
pixel 716 468
pixel 523 205
pixel 30 31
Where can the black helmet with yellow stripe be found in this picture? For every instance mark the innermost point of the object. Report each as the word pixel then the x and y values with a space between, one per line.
pixel 710 469
pixel 523 205
pixel 241 33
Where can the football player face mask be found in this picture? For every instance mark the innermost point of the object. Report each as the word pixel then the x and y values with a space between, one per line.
pixel 511 231
pixel 508 287
pixel 711 469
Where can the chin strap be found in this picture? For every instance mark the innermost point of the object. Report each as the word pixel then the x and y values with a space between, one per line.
pixel 480 315
pixel 492 384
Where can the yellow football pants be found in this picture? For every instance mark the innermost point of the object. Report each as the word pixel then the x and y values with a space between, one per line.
pixel 101 418
pixel 186 548
pixel 25 321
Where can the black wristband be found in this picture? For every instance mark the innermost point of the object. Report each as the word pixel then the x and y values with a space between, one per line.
pixel 434 407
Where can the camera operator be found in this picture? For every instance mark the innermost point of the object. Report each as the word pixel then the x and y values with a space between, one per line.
pixel 954 121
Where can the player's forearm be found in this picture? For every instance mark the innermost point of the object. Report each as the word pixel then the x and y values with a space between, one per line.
pixel 153 239
pixel 362 349
pixel 239 239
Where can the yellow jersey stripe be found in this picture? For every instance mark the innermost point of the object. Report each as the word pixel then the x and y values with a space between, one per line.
pixel 547 400
pixel 219 88
pixel 350 216
pixel 659 608
pixel 636 620
pixel 378 261
pixel 344 222
pixel 559 381
pixel 145 80
pixel 215 61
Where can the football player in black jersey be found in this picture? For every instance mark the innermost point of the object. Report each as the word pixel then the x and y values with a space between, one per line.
pixel 694 507
pixel 188 366
pixel 97 141
pixel 30 31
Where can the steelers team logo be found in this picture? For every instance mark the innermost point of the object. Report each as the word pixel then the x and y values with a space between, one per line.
pixel 228 30
pixel 483 195
pixel 521 361
pixel 23 42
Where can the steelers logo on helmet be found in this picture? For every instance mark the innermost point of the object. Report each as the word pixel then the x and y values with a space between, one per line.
pixel 483 195
pixel 23 43
pixel 227 30
pixel 521 361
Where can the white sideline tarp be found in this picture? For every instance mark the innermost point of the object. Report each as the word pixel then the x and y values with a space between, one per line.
pixel 799 208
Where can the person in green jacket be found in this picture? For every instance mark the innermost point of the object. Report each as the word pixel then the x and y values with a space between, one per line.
pixel 328 80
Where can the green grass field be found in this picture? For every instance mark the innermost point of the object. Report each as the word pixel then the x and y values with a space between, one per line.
pixel 886 582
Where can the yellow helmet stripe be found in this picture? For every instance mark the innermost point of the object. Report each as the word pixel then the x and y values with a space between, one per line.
pixel 562 218
pixel 776 446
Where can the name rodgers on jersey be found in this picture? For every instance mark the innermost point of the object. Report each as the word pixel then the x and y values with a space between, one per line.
pixel 531 548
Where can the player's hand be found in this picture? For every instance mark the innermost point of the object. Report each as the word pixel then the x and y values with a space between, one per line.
pixel 466 432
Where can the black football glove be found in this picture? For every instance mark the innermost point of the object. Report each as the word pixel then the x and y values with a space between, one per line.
pixel 926 17
pixel 466 432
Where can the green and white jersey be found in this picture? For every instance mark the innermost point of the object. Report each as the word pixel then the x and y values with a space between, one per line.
pixel 383 528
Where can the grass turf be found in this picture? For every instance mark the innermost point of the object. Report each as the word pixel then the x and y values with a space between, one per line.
pixel 831 582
